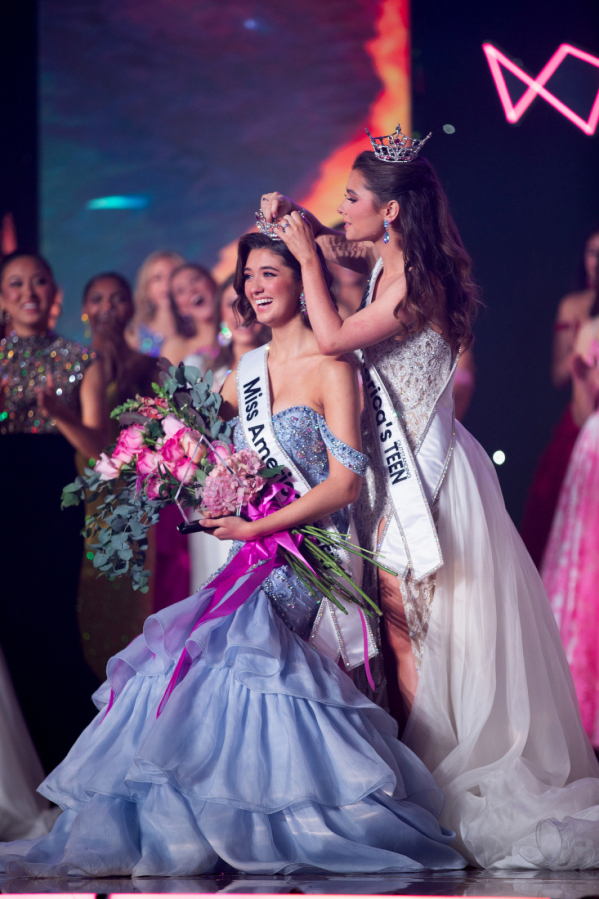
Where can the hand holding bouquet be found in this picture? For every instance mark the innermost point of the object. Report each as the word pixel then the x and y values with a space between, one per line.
pixel 174 448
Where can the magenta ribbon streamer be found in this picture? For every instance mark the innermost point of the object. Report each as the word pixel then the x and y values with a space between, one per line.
pixel 262 553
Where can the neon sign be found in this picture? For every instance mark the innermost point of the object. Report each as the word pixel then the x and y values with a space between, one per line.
pixel 536 86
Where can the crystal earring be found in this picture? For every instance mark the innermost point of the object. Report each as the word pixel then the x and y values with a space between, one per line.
pixel 302 299
pixel 386 227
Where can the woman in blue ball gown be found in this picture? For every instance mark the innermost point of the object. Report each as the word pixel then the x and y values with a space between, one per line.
pixel 265 757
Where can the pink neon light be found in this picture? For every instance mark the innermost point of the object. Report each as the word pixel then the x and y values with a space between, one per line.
pixel 536 86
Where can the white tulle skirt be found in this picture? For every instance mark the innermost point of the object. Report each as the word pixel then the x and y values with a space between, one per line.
pixel 24 814
pixel 495 717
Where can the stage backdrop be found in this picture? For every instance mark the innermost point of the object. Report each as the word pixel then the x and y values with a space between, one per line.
pixel 162 121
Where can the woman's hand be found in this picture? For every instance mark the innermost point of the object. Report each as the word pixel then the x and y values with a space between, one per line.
pixel 274 206
pixel 297 234
pixel 232 527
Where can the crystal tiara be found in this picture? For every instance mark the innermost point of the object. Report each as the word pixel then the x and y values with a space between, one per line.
pixel 399 147
pixel 268 228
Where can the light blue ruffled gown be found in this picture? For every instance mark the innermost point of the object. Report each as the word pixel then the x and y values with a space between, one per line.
pixel 265 758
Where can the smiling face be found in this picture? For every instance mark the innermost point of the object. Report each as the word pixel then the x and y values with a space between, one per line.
pixel 271 288
pixel 108 305
pixel 193 295
pixel 361 219
pixel 243 335
pixel 26 294
pixel 591 259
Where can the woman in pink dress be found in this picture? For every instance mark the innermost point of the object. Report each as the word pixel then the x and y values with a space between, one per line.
pixel 573 311
pixel 570 568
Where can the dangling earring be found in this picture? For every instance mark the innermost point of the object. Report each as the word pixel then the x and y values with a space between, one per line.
pixel 302 299
pixel 386 227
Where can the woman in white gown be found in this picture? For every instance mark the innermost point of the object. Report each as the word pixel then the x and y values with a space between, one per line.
pixel 491 704
pixel 24 814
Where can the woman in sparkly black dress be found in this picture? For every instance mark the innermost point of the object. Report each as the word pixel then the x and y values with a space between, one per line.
pixel 52 401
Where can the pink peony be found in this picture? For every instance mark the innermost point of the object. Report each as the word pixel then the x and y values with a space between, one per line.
pixel 223 492
pixel 129 444
pixel 106 468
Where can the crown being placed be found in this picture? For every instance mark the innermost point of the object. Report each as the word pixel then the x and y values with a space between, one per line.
pixel 399 147
pixel 269 228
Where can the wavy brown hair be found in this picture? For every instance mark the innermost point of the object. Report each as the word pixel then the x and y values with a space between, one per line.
pixel 435 257
pixel 253 241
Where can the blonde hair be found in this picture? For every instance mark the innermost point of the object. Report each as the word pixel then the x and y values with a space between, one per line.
pixel 145 309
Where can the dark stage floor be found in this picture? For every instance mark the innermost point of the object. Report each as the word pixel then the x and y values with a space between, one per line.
pixel 556 885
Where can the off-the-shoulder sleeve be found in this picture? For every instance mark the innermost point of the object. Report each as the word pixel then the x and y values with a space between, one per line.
pixel 358 255
pixel 347 455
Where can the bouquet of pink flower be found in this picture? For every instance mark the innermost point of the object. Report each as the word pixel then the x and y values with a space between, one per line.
pixel 174 448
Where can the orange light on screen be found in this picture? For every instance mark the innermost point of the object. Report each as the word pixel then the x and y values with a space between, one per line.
pixel 390 53
pixel 389 50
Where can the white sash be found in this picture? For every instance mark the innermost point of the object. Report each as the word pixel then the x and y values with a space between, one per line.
pixel 410 543
pixel 333 634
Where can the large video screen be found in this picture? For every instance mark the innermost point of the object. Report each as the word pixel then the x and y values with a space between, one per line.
pixel 162 121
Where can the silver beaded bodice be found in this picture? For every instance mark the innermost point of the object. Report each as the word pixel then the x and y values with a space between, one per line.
pixel 25 363
pixel 305 437
pixel 414 371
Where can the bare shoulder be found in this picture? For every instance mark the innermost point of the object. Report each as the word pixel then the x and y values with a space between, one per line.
pixel 575 306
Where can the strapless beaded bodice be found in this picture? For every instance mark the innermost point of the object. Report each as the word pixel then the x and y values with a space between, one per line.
pixel 305 437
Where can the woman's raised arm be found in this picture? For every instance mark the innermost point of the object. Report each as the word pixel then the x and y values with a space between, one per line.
pixel 334 335
pixel 357 255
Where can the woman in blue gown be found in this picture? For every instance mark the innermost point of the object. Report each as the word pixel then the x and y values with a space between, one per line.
pixel 265 757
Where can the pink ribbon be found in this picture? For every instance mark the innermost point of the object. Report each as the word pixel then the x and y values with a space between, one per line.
pixel 263 553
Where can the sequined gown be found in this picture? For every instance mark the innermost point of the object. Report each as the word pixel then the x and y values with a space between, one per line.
pixel 41 546
pixel 570 569
pixel 495 716
pixel 266 757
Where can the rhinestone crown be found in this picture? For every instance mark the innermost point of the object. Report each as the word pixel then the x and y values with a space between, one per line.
pixel 268 228
pixel 399 147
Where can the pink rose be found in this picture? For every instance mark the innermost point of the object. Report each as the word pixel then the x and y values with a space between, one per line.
pixel 153 488
pixel 189 441
pixel 171 451
pixel 172 425
pixel 106 468
pixel 129 444
pixel 147 461
pixel 219 451
pixel 183 470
